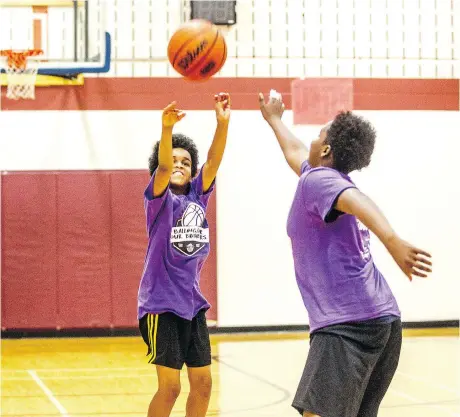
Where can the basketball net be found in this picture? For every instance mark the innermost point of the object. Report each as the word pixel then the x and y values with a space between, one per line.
pixel 21 73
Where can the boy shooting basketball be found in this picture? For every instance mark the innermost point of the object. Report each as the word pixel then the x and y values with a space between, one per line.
pixel 355 326
pixel 171 307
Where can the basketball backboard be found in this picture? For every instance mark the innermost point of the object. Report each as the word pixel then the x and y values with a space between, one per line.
pixel 72 34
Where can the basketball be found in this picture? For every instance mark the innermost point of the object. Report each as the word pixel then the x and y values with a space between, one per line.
pixel 193 216
pixel 197 50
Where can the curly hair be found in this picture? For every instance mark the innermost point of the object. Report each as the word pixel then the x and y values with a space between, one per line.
pixel 352 141
pixel 178 141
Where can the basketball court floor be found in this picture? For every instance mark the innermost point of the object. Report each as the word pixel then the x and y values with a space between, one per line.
pixel 255 375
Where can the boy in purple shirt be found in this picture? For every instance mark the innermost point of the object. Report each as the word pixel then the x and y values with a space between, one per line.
pixel 171 307
pixel 355 326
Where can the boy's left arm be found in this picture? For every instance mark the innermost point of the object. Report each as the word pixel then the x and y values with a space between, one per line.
pixel 216 151
pixel 410 259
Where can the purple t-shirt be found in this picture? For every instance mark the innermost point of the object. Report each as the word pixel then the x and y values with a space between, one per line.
pixel 177 249
pixel 335 272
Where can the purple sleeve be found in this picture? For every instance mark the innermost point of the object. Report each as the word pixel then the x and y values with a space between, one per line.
pixel 305 167
pixel 321 189
pixel 154 205
pixel 197 186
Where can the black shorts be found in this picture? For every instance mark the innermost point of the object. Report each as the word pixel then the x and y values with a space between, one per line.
pixel 349 368
pixel 173 341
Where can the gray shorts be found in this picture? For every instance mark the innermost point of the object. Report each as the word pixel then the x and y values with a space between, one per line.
pixel 349 368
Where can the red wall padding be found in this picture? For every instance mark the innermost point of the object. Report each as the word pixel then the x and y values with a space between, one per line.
pixel 129 240
pixel 83 218
pixel 29 251
pixel 73 246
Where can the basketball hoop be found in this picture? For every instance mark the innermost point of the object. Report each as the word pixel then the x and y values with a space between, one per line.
pixel 19 75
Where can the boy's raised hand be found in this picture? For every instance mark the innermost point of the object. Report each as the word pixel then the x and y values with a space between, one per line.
pixel 171 115
pixel 223 107
pixel 273 108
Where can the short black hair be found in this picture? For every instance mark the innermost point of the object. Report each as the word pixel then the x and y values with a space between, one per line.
pixel 352 141
pixel 178 141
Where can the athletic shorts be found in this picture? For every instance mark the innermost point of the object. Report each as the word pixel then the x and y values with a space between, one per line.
pixel 173 341
pixel 349 368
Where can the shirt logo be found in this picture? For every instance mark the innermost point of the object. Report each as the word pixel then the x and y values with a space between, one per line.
pixel 191 233
pixel 365 241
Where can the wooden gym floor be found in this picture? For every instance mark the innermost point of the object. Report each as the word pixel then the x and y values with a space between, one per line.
pixel 255 375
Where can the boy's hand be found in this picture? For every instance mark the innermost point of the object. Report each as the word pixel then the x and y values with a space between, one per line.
pixel 411 260
pixel 171 115
pixel 274 108
pixel 222 106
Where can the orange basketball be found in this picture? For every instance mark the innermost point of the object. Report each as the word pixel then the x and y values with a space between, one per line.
pixel 197 50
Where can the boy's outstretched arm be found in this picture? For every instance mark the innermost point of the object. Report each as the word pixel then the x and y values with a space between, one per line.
pixel 295 152
pixel 411 260
pixel 171 115
pixel 216 151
